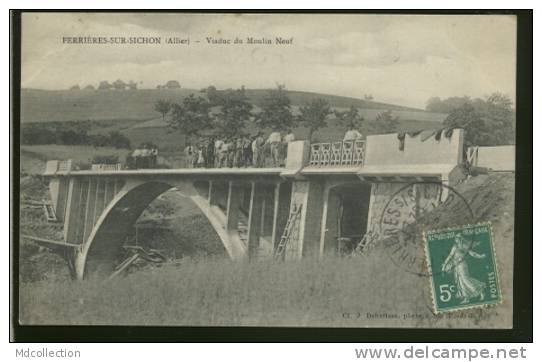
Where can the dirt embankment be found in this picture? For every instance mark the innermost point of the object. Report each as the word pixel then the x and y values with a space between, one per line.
pixel 36 262
pixel 484 198
pixel 489 197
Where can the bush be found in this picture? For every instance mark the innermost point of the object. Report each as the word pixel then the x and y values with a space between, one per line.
pixel 82 165
pixel 118 140
pixel 71 133
pixel 105 159
pixel 37 135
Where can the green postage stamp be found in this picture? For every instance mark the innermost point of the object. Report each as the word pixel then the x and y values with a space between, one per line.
pixel 462 267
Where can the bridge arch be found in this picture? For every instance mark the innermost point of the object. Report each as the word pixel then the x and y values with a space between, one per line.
pixel 100 251
pixel 345 215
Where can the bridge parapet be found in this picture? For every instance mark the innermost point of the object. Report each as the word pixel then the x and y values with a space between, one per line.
pixel 428 147
pixel 54 166
pixel 333 154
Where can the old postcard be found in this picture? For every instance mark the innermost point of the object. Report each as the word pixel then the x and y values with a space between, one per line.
pixel 302 170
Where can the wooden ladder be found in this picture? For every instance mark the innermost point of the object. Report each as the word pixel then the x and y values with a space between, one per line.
pixel 287 234
pixel 49 211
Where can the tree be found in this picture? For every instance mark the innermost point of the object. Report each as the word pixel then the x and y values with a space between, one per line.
pixel 163 107
pixel 132 85
pixel 191 116
pixel 313 115
pixel 276 110
pixel 435 104
pixel 235 111
pixel 99 140
pixel 75 87
pixel 73 137
pixel 500 117
pixel 487 122
pixel 118 140
pixel 89 87
pixel 104 85
pixel 350 118
pixel 172 84
pixel 385 122
pixel 37 134
pixel 213 95
pixel 470 120
pixel 119 84
pixel 105 159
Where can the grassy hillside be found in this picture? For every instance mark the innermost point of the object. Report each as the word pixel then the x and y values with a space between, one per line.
pixel 63 105
pixel 132 113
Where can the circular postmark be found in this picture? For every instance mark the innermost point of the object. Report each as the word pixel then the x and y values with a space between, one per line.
pixel 406 216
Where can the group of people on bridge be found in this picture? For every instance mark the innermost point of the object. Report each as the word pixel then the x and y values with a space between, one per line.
pixel 145 156
pixel 243 151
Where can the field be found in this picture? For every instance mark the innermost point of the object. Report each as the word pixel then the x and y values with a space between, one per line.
pixel 215 292
pixel 132 113
pixel 62 105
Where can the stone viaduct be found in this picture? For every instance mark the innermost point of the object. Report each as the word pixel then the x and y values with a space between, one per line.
pixel 340 189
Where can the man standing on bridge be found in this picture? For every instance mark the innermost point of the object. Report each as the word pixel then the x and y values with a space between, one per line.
pixel 210 153
pixel 290 137
pixel 238 159
pixel 219 155
pixel 352 134
pixel 274 142
pixel 257 150
pixel 247 151
pixel 189 152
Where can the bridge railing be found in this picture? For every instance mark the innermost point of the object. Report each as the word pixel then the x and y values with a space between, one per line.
pixel 106 167
pixel 330 154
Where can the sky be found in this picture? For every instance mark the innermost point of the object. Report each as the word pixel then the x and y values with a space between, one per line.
pixel 400 59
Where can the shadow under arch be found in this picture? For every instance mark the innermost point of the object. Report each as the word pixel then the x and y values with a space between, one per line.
pixel 104 244
pixel 346 216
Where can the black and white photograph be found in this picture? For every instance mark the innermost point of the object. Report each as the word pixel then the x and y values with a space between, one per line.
pixel 316 170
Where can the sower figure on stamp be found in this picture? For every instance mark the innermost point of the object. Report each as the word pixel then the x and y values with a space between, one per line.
pixel 467 286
